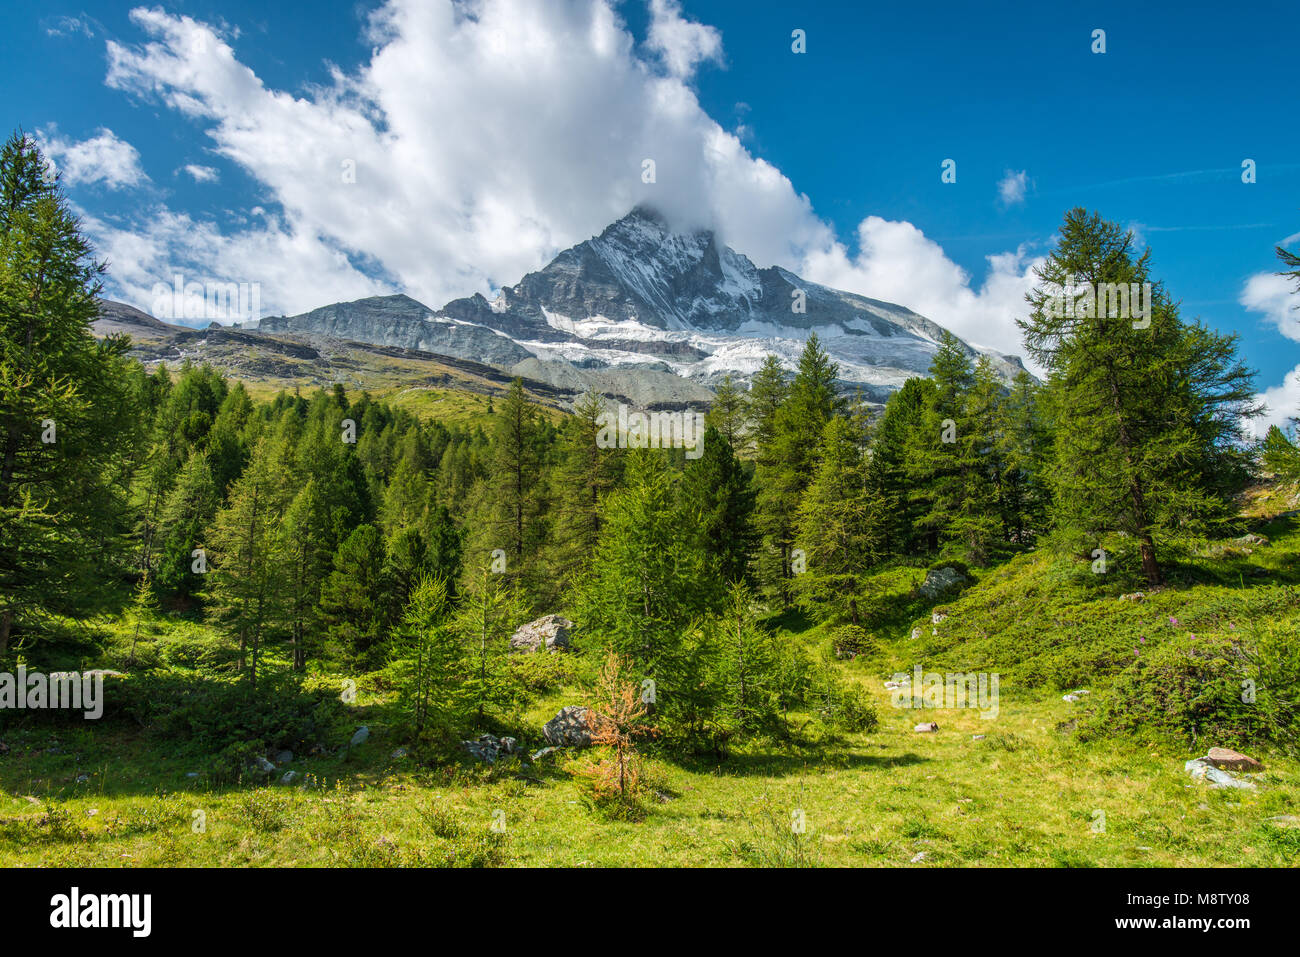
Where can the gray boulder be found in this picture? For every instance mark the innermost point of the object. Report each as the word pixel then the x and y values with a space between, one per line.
pixel 569 728
pixel 550 632
pixel 360 737
pixel 488 747
pixel 1202 770
pixel 940 581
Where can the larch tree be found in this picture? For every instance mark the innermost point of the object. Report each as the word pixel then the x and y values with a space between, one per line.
pixel 1146 409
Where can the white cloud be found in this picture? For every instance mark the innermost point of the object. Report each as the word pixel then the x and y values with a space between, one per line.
pixel 680 43
pixel 66 26
pixel 1282 403
pixel 1012 188
pixel 897 263
pixel 1276 297
pixel 270 253
pixel 485 136
pixel 102 159
pixel 202 174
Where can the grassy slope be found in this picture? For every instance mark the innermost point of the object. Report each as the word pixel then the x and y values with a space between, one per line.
pixel 1025 793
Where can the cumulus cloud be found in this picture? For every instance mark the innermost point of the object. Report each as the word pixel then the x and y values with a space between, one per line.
pixel 898 263
pixel 101 159
pixel 269 252
pixel 1275 296
pixel 479 139
pixel 1282 403
pixel 1012 188
pixel 681 44
pixel 202 174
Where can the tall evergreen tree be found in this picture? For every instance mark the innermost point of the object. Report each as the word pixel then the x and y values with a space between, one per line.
pixel 246 587
pixel 887 470
pixel 185 518
pixel 719 500
pixel 786 464
pixel 429 660
pixel 647 581
pixel 354 599
pixel 514 484
pixel 68 408
pixel 729 413
pixel 841 526
pixel 1146 411
pixel 583 475
pixel 767 392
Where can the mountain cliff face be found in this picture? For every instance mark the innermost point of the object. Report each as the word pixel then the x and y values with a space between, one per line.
pixel 641 300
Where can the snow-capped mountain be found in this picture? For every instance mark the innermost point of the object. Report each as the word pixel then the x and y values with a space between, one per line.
pixel 643 300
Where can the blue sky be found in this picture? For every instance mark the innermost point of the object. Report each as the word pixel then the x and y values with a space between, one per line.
pixel 487 145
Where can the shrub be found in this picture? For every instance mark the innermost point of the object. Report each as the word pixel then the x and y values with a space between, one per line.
pixel 849 641
pixel 1196 690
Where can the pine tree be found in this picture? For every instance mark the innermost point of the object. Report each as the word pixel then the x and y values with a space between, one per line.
pixel 583 475
pixel 887 470
pixel 490 609
pixel 749 665
pixel 429 661
pixel 184 520
pixel 1026 447
pixel 354 602
pixel 1146 413
pixel 948 469
pixel 247 577
pixel 1280 455
pixel 306 555
pixel 514 484
pixel 68 406
pixel 729 413
pixel 786 463
pixel 647 581
pixel 841 526
pixel 716 493
pixel 767 392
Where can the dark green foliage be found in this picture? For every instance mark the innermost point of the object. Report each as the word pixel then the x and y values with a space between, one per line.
pixel 68 406
pixel 1147 417
pixel 1280 455
pixel 717 495
pixel 1208 691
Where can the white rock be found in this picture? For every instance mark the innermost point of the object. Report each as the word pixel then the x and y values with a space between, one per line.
pixel 1201 769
